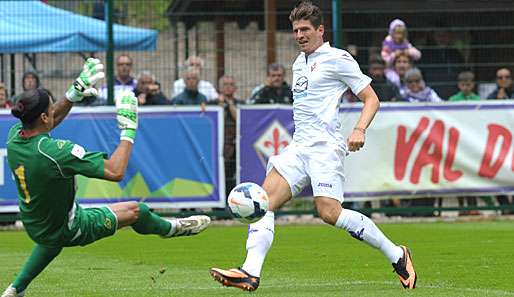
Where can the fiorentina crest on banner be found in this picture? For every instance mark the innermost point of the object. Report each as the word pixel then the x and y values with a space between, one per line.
pixel 272 142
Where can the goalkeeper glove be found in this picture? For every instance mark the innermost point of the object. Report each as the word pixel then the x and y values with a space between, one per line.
pixel 126 115
pixel 83 86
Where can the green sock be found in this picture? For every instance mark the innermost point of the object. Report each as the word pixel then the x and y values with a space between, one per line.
pixel 150 223
pixel 40 258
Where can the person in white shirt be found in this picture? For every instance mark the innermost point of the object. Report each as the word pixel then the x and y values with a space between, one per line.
pixel 204 87
pixel 321 74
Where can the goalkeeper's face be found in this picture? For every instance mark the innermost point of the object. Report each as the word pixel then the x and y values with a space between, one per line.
pixel 307 36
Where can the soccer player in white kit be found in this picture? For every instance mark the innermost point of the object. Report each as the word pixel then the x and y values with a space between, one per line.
pixel 321 74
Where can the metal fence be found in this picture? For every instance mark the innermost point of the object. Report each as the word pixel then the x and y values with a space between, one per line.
pixel 451 36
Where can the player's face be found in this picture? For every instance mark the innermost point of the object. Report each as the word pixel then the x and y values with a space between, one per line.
pixel 308 37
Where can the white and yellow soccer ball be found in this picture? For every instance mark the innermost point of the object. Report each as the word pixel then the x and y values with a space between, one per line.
pixel 248 202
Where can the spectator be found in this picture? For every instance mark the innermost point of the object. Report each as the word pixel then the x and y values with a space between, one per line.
pixel 504 88
pixel 416 90
pixel 148 90
pixel 396 42
pixel 29 81
pixel 4 98
pixel 204 87
pixel 466 86
pixel 401 64
pixel 190 95
pixel 385 90
pixel 443 62
pixel 124 81
pixel 227 100
pixel 275 90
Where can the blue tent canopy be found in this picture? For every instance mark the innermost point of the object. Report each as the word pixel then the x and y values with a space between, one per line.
pixel 33 27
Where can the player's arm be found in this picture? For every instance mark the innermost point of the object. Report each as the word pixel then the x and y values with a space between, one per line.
pixel 371 105
pixel 83 86
pixel 126 110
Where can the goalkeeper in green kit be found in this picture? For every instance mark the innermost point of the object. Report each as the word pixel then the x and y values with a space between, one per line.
pixel 44 169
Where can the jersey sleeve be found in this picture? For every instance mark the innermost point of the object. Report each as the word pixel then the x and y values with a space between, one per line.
pixel 71 158
pixel 12 132
pixel 349 72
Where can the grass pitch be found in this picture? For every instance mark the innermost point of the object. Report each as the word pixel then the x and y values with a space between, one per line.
pixel 452 259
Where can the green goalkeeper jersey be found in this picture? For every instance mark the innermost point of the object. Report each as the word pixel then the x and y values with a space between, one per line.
pixel 44 170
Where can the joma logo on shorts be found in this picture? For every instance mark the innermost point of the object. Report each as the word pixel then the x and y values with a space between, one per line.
pixel 326 185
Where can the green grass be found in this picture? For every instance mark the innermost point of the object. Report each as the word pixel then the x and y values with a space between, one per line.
pixel 452 259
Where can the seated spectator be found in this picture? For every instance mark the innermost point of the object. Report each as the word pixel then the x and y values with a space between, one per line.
pixel 275 90
pixel 443 61
pixel 385 90
pixel 227 100
pixel 466 86
pixel 148 90
pixel 4 98
pixel 396 42
pixel 401 64
pixel 124 81
pixel 190 95
pixel 29 81
pixel 416 90
pixel 504 87
pixel 204 87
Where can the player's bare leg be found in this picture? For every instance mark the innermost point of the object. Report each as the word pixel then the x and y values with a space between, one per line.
pixel 143 221
pixel 362 228
pixel 260 238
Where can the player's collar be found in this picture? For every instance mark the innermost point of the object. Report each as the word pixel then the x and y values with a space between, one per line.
pixel 325 47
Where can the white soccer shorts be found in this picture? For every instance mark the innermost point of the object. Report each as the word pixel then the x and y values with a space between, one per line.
pixel 321 165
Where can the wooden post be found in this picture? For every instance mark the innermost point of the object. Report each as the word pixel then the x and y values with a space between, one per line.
pixel 270 19
pixel 220 48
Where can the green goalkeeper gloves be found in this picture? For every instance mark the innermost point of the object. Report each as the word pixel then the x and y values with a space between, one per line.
pixel 83 86
pixel 126 114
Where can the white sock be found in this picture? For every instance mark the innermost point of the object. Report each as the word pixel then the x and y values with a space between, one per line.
pixel 362 228
pixel 260 238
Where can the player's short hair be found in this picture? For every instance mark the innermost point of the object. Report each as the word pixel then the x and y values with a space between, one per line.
pixel 305 10
pixel 466 76
pixel 275 67
pixel 30 106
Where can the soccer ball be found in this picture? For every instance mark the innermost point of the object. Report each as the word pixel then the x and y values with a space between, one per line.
pixel 248 202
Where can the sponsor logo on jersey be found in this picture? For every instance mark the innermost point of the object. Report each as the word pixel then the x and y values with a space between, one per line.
pixel 301 84
pixel 60 144
pixel 272 142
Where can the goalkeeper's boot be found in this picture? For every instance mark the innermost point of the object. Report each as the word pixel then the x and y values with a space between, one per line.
pixel 405 270
pixel 11 292
pixel 188 226
pixel 236 278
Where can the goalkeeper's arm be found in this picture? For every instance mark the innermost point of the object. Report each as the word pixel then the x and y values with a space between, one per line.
pixel 126 115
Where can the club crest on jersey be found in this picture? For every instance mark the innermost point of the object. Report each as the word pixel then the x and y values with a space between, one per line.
pixel 60 144
pixel 314 66
pixel 108 223
pixel 272 142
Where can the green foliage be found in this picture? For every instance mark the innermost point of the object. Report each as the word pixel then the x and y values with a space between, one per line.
pixel 452 259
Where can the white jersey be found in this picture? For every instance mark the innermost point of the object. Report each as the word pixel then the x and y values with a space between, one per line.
pixel 319 81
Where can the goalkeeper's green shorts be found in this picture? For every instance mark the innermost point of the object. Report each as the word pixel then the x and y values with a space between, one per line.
pixel 94 224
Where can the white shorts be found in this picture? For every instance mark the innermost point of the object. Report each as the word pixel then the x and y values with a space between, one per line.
pixel 321 165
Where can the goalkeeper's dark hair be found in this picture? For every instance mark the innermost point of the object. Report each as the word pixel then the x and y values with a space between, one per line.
pixel 305 10
pixel 31 105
